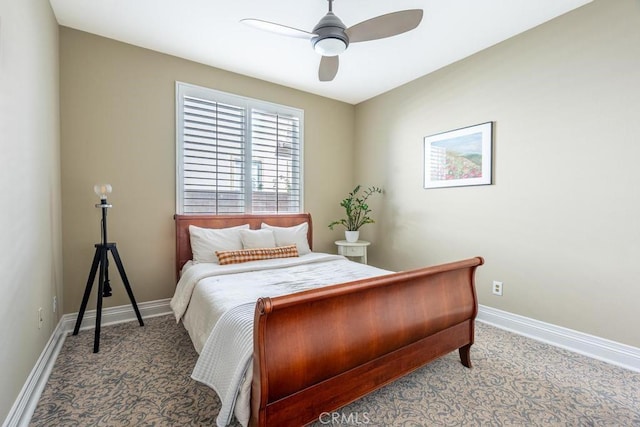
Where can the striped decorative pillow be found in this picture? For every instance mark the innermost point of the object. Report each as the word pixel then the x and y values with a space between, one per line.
pixel 244 255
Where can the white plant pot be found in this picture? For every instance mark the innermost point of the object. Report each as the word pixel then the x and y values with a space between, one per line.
pixel 352 236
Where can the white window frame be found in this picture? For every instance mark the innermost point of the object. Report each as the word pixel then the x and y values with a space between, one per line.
pixel 186 89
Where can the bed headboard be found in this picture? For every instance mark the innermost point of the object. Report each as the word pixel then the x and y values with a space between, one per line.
pixel 183 245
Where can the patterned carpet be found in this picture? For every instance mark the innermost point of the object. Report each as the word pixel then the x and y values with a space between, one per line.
pixel 141 377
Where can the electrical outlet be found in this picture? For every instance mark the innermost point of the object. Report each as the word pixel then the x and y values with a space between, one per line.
pixel 55 304
pixel 497 288
pixel 40 319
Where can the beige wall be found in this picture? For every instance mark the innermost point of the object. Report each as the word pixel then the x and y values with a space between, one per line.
pixel 118 127
pixel 561 225
pixel 30 247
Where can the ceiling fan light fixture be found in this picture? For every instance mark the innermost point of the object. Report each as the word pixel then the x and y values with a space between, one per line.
pixel 330 46
pixel 330 37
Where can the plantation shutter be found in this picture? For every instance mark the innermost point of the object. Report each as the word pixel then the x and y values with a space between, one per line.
pixel 236 155
pixel 275 156
pixel 214 157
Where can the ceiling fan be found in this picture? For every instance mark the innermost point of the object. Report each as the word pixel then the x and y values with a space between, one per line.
pixel 330 37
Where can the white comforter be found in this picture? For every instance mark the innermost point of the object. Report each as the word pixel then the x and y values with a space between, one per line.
pixel 207 292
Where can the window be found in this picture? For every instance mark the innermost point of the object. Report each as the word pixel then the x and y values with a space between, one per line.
pixel 235 154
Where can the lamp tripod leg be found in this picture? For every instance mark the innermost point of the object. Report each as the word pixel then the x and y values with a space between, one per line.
pixel 103 261
pixel 87 290
pixel 125 281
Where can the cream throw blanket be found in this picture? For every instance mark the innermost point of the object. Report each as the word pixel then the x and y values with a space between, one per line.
pixel 231 292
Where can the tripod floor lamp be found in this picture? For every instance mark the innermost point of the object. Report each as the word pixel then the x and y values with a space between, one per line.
pixel 101 263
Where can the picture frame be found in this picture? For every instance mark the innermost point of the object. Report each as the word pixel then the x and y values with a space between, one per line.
pixel 460 157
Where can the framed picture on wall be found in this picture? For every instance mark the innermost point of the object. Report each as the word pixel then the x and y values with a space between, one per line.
pixel 460 157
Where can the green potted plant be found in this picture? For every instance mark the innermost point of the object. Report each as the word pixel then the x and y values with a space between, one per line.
pixel 357 212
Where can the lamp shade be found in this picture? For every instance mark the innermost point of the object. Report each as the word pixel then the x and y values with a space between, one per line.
pixel 102 190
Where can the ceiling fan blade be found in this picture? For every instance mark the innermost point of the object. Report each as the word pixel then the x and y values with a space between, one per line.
pixel 272 27
pixel 328 68
pixel 383 26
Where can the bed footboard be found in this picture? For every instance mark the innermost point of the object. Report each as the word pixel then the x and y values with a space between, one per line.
pixel 318 350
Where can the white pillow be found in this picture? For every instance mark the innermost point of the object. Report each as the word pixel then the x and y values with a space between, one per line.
pixel 291 235
pixel 257 239
pixel 206 241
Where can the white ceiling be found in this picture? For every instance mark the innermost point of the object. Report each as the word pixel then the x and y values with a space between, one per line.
pixel 209 32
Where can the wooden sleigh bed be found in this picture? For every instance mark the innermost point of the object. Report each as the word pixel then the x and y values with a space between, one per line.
pixel 318 350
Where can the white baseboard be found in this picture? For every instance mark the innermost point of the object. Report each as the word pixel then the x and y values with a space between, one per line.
pixel 22 409
pixel 26 402
pixel 612 352
pixel 120 314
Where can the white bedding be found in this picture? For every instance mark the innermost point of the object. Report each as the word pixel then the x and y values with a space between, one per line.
pixel 206 292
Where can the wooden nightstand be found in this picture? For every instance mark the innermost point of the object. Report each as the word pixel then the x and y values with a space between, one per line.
pixel 355 249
